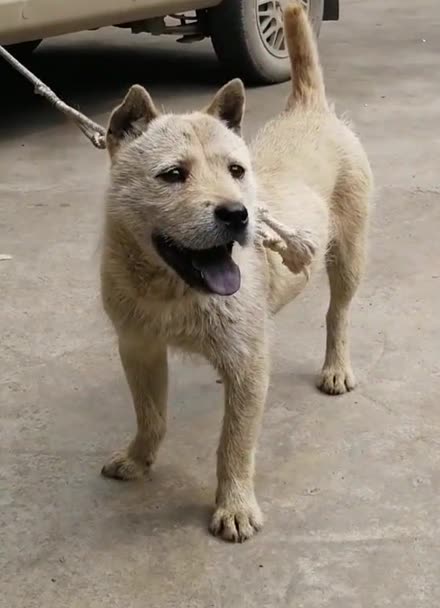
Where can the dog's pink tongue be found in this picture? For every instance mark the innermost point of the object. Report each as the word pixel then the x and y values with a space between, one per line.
pixel 221 276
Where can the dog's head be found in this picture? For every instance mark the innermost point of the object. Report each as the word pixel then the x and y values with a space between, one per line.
pixel 183 185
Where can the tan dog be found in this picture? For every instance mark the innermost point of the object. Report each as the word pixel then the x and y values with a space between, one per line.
pixel 184 266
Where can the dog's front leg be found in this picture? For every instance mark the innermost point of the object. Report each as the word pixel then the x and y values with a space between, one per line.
pixel 237 515
pixel 146 369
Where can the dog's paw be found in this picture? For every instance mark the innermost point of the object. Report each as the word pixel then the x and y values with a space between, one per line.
pixel 123 468
pixel 236 524
pixel 336 381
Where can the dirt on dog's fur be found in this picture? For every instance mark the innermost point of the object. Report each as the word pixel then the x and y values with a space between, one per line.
pixel 182 265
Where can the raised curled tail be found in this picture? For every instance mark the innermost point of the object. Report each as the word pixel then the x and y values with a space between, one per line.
pixel 307 80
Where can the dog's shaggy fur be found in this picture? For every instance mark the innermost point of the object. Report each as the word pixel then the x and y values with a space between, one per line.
pixel 169 278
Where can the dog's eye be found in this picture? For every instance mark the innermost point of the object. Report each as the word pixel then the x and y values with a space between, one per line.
pixel 237 171
pixel 175 175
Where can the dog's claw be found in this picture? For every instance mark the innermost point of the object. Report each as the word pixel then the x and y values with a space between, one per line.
pixel 123 468
pixel 335 381
pixel 236 525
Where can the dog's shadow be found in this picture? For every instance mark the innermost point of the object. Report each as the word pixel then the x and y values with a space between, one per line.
pixel 165 500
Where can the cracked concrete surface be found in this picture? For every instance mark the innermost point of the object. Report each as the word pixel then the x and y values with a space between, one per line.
pixel 350 485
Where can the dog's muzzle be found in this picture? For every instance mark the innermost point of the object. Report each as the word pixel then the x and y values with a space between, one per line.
pixel 209 268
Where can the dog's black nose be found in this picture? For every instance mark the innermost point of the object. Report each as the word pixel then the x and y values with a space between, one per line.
pixel 233 215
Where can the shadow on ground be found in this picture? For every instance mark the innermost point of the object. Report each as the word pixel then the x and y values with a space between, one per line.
pixel 92 74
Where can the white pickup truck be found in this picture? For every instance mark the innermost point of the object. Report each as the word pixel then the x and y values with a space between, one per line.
pixel 247 35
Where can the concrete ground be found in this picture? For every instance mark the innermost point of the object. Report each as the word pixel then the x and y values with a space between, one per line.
pixel 349 485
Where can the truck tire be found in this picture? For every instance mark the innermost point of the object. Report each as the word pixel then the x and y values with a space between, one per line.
pixel 248 38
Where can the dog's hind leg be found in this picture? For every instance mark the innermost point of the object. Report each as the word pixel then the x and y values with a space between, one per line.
pixel 345 261
pixel 146 370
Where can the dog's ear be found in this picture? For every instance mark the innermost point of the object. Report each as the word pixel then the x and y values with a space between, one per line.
pixel 228 104
pixel 130 118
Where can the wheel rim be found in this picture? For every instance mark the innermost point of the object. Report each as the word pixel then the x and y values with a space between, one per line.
pixel 270 25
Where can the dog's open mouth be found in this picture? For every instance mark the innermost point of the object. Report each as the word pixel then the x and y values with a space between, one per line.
pixel 212 270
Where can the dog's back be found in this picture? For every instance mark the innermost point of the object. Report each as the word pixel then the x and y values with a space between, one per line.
pixel 304 155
